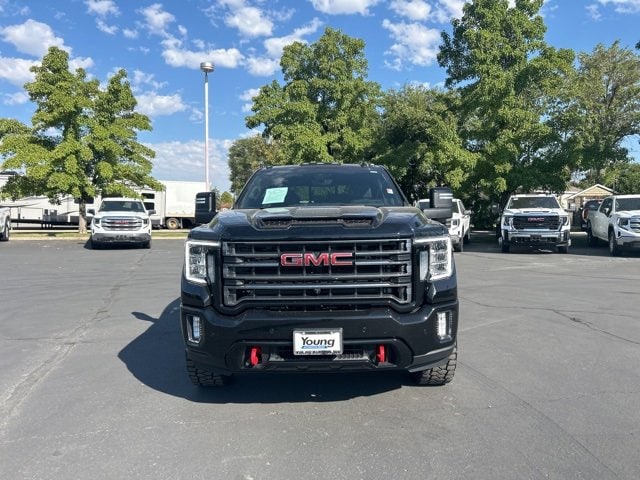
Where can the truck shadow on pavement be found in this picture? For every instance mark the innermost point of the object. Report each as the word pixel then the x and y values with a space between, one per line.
pixel 156 358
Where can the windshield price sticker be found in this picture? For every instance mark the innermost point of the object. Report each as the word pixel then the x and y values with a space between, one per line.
pixel 317 342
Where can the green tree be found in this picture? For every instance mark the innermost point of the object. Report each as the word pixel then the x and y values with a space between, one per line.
pixel 604 106
pixel 624 178
pixel 83 140
pixel 226 198
pixel 247 155
pixel 508 79
pixel 419 140
pixel 326 109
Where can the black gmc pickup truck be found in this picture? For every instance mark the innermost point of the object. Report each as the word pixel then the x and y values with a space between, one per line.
pixel 320 268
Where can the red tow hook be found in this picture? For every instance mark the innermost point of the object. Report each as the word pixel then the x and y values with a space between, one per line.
pixel 381 353
pixel 255 356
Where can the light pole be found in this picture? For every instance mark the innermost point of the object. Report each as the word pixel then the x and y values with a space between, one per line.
pixel 206 67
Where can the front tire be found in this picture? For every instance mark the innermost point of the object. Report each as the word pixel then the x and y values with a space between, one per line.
pixel 505 248
pixel 563 249
pixel 7 232
pixel 438 376
pixel 467 238
pixel 592 241
pixel 204 378
pixel 614 250
pixel 94 245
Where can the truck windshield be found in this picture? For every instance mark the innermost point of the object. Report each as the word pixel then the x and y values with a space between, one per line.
pixel 121 206
pixel 626 204
pixel 320 185
pixel 533 202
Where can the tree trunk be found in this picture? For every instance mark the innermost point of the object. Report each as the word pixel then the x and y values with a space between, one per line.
pixel 82 217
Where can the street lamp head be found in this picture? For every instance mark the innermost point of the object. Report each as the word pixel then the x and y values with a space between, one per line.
pixel 207 67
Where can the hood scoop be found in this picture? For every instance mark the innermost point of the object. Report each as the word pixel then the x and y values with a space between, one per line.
pixel 347 217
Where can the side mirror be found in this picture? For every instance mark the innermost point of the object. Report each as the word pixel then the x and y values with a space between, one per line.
pixel 205 207
pixel 91 211
pixel 495 208
pixel 467 212
pixel 151 212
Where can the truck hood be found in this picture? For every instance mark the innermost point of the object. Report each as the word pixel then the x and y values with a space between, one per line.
pixel 537 211
pixel 628 213
pixel 310 223
pixel 120 213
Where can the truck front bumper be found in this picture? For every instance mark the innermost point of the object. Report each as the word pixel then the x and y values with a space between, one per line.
pixel 262 340
pixel 627 240
pixel 121 237
pixel 536 238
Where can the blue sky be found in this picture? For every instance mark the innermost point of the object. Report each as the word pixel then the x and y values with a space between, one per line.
pixel 161 44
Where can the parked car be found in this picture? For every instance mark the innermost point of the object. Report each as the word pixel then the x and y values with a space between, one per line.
pixel 589 205
pixel 459 225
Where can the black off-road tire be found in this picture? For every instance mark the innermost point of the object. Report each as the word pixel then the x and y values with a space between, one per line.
pixel 563 249
pixel 7 233
pixel 614 250
pixel 205 378
pixel 94 245
pixel 438 376
pixel 505 248
pixel 458 247
pixel 591 240
pixel 146 244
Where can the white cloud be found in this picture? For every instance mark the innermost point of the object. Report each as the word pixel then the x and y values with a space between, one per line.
pixel 103 27
pixel 80 62
pixel 623 6
pixel 448 9
pixel 140 78
pixel 32 37
pixel 416 10
pixel 415 44
pixel 17 98
pixel 247 96
pixel 344 7
pixel 102 8
pixel 267 65
pixel 177 57
pixel 155 105
pixel 262 66
pixel 185 161
pixel 128 33
pixel 249 21
pixel 593 11
pixel 157 20
pixel 16 70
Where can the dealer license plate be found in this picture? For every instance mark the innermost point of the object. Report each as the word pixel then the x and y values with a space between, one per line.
pixel 317 342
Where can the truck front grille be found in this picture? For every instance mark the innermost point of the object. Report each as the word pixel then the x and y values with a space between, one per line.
pixel 335 272
pixel 536 222
pixel 121 223
pixel 634 224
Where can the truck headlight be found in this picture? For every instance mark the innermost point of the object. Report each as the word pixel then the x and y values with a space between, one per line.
pixel 623 223
pixel 199 261
pixel 96 221
pixel 564 221
pixel 145 221
pixel 436 260
pixel 455 222
pixel 507 221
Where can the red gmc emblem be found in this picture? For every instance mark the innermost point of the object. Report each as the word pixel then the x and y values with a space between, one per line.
pixel 308 259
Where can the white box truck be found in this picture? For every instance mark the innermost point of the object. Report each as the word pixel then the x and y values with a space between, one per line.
pixel 175 206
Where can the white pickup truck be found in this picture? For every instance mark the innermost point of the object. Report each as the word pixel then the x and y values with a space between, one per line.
pixel 534 220
pixel 617 222
pixel 5 223
pixel 121 220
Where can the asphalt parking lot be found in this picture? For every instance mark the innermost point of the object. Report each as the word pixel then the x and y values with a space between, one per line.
pixel 93 383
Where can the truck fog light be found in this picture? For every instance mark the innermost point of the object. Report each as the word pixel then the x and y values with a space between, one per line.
pixel 194 328
pixel 444 325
